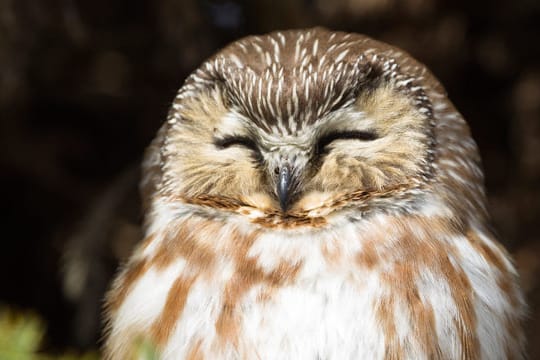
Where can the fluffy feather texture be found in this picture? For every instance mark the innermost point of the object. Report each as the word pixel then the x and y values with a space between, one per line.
pixel 384 249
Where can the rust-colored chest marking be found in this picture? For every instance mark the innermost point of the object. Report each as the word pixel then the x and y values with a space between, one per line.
pixel 415 249
pixel 316 217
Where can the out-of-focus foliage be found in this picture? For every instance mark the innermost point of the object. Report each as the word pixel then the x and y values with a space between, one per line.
pixel 146 350
pixel 22 334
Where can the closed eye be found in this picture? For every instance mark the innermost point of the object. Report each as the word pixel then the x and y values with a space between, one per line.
pixel 229 141
pixel 327 139
pixel 234 140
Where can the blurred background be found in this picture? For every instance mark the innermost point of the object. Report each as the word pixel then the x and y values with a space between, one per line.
pixel 84 86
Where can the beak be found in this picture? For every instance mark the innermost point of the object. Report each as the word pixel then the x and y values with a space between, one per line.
pixel 284 186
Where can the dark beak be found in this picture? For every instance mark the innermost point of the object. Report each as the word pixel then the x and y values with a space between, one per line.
pixel 284 186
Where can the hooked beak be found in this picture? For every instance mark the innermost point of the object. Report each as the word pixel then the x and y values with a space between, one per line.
pixel 284 186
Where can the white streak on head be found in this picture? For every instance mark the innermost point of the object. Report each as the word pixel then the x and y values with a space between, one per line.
pixel 315 47
pixel 237 61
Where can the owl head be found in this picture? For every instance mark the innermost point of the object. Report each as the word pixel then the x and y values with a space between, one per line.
pixel 306 124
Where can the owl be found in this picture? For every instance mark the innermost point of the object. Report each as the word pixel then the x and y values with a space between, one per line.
pixel 315 195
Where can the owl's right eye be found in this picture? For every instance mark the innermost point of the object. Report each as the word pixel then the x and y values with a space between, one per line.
pixel 244 141
pixel 237 140
pixel 228 141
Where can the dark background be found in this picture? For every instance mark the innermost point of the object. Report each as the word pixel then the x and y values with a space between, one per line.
pixel 84 85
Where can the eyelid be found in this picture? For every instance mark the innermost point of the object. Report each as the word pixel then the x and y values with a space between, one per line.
pixel 233 140
pixel 364 135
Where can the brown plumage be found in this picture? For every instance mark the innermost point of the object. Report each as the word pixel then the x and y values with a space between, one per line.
pixel 314 194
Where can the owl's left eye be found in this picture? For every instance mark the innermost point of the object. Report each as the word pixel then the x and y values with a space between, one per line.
pixel 325 140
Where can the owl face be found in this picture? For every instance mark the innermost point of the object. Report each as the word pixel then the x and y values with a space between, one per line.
pixel 298 143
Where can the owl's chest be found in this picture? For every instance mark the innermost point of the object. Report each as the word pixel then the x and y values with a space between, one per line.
pixel 329 295
pixel 303 297
pixel 328 317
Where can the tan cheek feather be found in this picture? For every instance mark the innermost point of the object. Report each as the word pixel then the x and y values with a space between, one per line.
pixel 394 158
pixel 229 172
pixel 312 200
